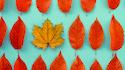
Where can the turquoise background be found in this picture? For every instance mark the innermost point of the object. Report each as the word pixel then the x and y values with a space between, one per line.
pixel 29 53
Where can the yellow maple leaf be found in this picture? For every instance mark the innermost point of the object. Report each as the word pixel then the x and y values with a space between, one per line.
pixel 47 35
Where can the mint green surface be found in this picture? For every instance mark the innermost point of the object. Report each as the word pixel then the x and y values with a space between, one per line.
pixel 29 53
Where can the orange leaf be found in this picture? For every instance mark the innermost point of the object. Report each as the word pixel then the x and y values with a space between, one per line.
pixel 116 34
pixel 19 64
pixel 4 63
pixel 43 5
pixel 88 5
pixel 3 29
pixel 114 64
pixel 17 34
pixel 96 66
pixel 96 35
pixel 77 34
pixel 113 4
pixel 65 5
pixel 23 5
pixel 77 64
pixel 39 64
pixel 59 63
pixel 2 2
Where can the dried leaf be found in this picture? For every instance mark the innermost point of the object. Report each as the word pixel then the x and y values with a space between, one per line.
pixel 39 64
pixel 59 63
pixel 4 63
pixel 23 5
pixel 116 34
pixel 113 4
pixel 48 35
pixel 96 35
pixel 114 64
pixel 77 34
pixel 88 5
pixel 3 29
pixel 96 66
pixel 77 64
pixel 2 2
pixel 19 64
pixel 17 34
pixel 43 5
pixel 65 5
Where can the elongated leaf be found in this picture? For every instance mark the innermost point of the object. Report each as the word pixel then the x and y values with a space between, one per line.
pixel 4 63
pixel 39 64
pixel 2 2
pixel 59 63
pixel 96 35
pixel 3 29
pixel 65 5
pixel 23 5
pixel 43 5
pixel 114 64
pixel 96 66
pixel 88 5
pixel 116 35
pixel 77 34
pixel 17 34
pixel 19 64
pixel 113 4
pixel 77 64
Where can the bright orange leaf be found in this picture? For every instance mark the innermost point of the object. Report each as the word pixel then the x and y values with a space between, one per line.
pixel 96 66
pixel 2 2
pixel 113 4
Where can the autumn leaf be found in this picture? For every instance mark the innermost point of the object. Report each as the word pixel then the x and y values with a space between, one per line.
pixel 17 34
pixel 88 5
pixel 116 35
pixel 115 64
pixel 77 34
pixel 59 63
pixel 2 2
pixel 48 35
pixel 43 5
pixel 39 64
pixel 77 64
pixel 96 35
pixel 96 66
pixel 113 4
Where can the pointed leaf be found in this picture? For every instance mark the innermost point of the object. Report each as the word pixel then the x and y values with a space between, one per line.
pixel 43 5
pixel 96 35
pixel 77 34
pixel 114 64
pixel 2 2
pixel 116 35
pixel 96 66
pixel 77 64
pixel 17 34
pixel 19 64
pixel 4 63
pixel 23 5
pixel 65 5
pixel 59 63
pixel 88 5
pixel 39 64
pixel 113 4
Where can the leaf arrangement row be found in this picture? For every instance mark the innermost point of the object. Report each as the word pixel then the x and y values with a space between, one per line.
pixel 64 5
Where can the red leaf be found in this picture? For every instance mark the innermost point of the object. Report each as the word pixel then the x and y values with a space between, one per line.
pixel 77 64
pixel 116 34
pixel 96 66
pixel 19 64
pixel 3 29
pixel 39 64
pixel 4 63
pixel 88 5
pixel 2 2
pixel 59 63
pixel 77 34
pixel 114 64
pixel 43 5
pixel 113 4
pixel 96 35
pixel 17 34
pixel 23 5
pixel 65 5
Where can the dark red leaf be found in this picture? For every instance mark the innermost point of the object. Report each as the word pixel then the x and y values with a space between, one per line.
pixel 96 66
pixel 113 4
pixel 2 2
